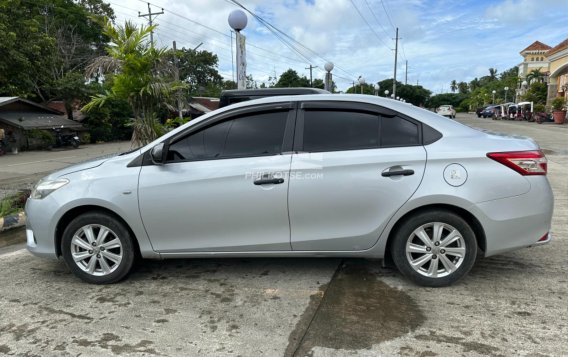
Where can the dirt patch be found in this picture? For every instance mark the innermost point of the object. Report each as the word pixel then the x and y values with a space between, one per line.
pixel 354 311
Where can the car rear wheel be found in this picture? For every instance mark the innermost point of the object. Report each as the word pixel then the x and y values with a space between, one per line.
pixel 98 248
pixel 434 248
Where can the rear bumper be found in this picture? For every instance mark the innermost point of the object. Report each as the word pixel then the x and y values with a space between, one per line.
pixel 520 221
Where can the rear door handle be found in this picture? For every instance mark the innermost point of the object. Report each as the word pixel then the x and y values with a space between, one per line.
pixel 269 181
pixel 398 173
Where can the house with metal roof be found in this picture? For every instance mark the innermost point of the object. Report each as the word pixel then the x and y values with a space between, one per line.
pixel 20 117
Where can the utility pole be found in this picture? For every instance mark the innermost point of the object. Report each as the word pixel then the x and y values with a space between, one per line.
pixel 406 73
pixel 176 77
pixel 310 68
pixel 395 59
pixel 150 21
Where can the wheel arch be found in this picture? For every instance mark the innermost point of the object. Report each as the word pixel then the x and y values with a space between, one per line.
pixel 77 211
pixel 471 220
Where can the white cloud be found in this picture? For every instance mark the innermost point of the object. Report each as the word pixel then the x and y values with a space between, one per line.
pixel 443 40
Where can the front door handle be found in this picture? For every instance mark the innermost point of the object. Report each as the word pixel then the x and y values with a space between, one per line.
pixel 398 173
pixel 269 181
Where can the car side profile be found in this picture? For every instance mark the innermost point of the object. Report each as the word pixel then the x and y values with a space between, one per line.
pixel 300 176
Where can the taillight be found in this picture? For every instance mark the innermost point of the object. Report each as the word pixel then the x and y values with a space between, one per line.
pixel 524 162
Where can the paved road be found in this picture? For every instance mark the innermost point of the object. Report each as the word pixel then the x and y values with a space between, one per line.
pixel 509 305
pixel 28 166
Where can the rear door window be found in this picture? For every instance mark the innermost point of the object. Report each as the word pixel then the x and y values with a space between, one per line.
pixel 340 130
pixel 396 131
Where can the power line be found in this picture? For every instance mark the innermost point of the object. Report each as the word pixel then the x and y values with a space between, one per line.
pixel 209 41
pixel 369 25
pixel 377 19
pixel 293 44
pixel 272 28
pixel 388 16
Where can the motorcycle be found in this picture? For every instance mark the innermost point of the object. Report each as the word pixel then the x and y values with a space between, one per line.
pixel 65 139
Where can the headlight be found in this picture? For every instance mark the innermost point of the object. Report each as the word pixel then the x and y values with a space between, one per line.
pixel 44 188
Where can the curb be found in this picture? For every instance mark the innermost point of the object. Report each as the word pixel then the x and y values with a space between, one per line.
pixel 13 221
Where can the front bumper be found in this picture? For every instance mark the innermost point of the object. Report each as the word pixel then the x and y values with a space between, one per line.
pixel 40 234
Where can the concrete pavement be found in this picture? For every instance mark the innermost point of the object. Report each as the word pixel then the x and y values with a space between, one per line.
pixel 509 305
pixel 28 166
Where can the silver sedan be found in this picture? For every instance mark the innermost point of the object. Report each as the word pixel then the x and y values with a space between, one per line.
pixel 301 176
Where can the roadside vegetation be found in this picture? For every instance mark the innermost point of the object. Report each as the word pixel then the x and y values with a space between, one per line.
pixel 479 92
pixel 13 203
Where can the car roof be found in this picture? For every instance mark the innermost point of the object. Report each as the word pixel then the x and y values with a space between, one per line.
pixel 272 91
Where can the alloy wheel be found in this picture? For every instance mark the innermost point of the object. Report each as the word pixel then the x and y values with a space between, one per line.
pixel 96 250
pixel 435 250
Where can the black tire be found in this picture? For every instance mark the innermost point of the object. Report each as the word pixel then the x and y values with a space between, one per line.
pixel 75 144
pixel 102 257
pixel 422 275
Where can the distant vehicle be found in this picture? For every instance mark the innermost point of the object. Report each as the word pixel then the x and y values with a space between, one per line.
pixel 446 111
pixel 241 95
pixel 489 112
pixel 66 139
pixel 478 111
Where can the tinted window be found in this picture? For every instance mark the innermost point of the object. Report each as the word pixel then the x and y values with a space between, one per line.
pixel 334 131
pixel 256 135
pixel 253 135
pixel 396 131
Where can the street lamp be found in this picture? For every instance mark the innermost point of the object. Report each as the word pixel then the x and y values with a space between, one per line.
pixel 361 82
pixel 506 90
pixel 328 81
pixel 238 21
pixel 387 93
pixel 377 88
pixel 493 102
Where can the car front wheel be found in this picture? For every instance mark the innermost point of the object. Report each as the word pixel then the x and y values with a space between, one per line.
pixel 434 248
pixel 98 248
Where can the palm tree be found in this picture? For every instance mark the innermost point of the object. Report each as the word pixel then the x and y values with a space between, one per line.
pixel 140 74
pixel 454 86
pixel 492 74
pixel 535 76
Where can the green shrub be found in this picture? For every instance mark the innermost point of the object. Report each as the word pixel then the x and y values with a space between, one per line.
pixel 45 139
pixel 13 204
pixel 558 103
pixel 539 108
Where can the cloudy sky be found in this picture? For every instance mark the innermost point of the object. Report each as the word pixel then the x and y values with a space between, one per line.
pixel 442 40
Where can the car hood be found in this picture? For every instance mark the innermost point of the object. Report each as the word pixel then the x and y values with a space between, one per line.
pixel 85 165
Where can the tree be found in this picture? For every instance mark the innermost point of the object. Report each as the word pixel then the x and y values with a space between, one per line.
pixel 367 89
pixel 535 76
pixel 462 88
pixel 454 99
pixel 199 70
pixel 536 93
pixel 416 95
pixel 44 40
pixel 454 86
pixel 290 78
pixel 251 83
pixel 492 74
pixel 140 74
pixel 318 83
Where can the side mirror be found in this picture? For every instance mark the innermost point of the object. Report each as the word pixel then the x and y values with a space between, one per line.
pixel 157 154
